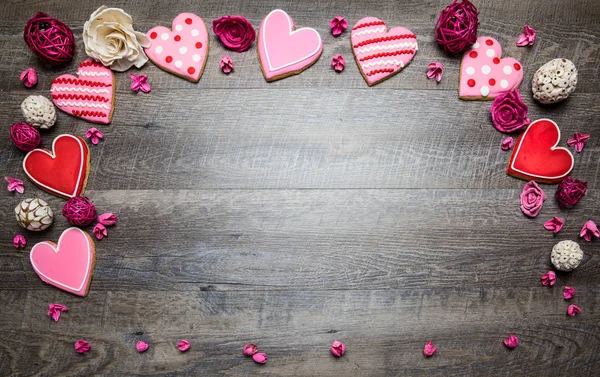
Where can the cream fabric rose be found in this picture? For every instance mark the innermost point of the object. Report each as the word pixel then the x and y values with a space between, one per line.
pixel 109 38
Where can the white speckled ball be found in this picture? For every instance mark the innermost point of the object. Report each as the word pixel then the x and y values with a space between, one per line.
pixel 34 214
pixel 39 112
pixel 554 81
pixel 566 255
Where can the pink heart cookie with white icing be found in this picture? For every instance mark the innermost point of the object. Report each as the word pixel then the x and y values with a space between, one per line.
pixel 381 53
pixel 68 265
pixel 283 51
pixel 484 75
pixel 183 50
pixel 90 96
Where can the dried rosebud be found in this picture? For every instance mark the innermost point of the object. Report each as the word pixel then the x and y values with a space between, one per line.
pixel 549 279
pixel 338 349
pixel 29 77
pixel 260 357
pixel 94 135
pixel 429 349
pixel 250 349
pixel 573 310
pixel 54 311
pixel 507 143
pixel 183 345
pixel 81 346
pixel 14 184
pixel 568 293
pixel 19 241
pixel 555 224
pixel 100 231
pixel 511 342
pixel 589 229
pixel 107 219
pixel 141 346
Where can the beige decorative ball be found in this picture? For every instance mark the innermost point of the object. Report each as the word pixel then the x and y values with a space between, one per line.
pixel 39 112
pixel 566 255
pixel 34 214
pixel 554 81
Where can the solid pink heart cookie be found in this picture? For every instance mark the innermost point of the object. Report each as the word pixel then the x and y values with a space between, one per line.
pixel 381 53
pixel 183 50
pixel 484 75
pixel 68 265
pixel 89 96
pixel 283 51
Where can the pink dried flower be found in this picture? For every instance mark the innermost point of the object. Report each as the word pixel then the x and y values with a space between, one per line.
pixel 19 241
pixel 235 32
pixel 14 184
pixel 250 349
pixel 183 345
pixel 507 143
pixel 29 77
pixel 139 82
pixel 54 311
pixel 568 293
pixel 555 224
pixel 429 349
pixel 435 70
pixel 573 310
pixel 509 112
pixel 94 134
pixel 527 38
pixel 141 346
pixel 226 64
pixel 549 279
pixel 107 219
pixel 511 342
pixel 532 199
pixel 260 357
pixel 81 346
pixel 578 141
pixel 589 229
pixel 100 231
pixel 338 25
pixel 338 63
pixel 338 349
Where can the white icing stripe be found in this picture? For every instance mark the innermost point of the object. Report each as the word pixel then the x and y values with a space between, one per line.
pixel 369 31
pixel 84 104
pixel 384 62
pixel 83 90
pixel 92 73
pixel 388 47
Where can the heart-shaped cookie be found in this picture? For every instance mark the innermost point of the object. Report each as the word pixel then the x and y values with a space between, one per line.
pixel 381 53
pixel 484 75
pixel 284 51
pixel 183 50
pixel 62 171
pixel 68 265
pixel 536 155
pixel 90 96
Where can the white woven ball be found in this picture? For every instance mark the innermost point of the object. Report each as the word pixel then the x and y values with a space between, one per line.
pixel 554 81
pixel 39 112
pixel 566 255
pixel 34 214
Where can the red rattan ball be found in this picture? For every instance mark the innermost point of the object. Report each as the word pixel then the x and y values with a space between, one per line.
pixel 79 211
pixel 24 136
pixel 456 29
pixel 50 40
pixel 570 191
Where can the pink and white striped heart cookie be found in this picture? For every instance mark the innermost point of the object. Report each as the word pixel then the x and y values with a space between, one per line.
pixel 380 53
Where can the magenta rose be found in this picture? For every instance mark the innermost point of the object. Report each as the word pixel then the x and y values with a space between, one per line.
pixel 235 32
pixel 532 199
pixel 509 112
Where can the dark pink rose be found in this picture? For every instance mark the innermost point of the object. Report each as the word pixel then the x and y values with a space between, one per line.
pixel 532 199
pixel 235 32
pixel 509 113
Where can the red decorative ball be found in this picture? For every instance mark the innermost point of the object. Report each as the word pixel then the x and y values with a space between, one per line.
pixel 24 136
pixel 79 211
pixel 456 29
pixel 49 39
pixel 570 191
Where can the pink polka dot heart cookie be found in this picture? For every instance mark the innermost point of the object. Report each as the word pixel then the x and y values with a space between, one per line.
pixel 484 75
pixel 183 50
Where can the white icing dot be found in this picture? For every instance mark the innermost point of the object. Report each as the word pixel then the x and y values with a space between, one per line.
pixel 503 84
pixel 164 36
pixel 486 69
pixel 179 27
pixel 490 53
pixel 195 32
pixel 196 57
pixel 183 50
pixel 485 91
pixel 178 64
pixel 470 71
pixel 158 49
pixel 476 45
pixel 507 69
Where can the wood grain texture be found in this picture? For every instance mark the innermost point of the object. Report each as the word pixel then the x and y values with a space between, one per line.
pixel 294 213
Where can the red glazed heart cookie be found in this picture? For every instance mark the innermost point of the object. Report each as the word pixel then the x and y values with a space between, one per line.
pixel 536 155
pixel 90 96
pixel 381 53
pixel 484 75
pixel 183 50
pixel 62 171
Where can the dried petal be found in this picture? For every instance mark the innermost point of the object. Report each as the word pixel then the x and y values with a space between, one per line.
pixel 14 184
pixel 589 229
pixel 338 63
pixel 511 342
pixel 429 349
pixel 578 141
pixel 139 83
pixel 555 224
pixel 338 349
pixel 260 357
pixel 435 71
pixel 573 310
pixel 141 346
pixel 100 231
pixel 94 134
pixel 226 64
pixel 338 25
pixel 183 345
pixel 54 311
pixel 29 77
pixel 19 241
pixel 81 346
pixel 568 293
pixel 107 219
pixel 507 143
pixel 250 349
pixel 527 38
pixel 549 279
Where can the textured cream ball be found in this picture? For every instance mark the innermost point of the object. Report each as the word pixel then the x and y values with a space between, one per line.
pixel 566 255
pixel 39 112
pixel 34 214
pixel 554 81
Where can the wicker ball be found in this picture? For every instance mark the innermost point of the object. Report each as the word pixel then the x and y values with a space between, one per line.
pixel 39 112
pixel 554 81
pixel 570 191
pixel 566 255
pixel 49 39
pixel 34 214
pixel 24 136
pixel 456 28
pixel 79 211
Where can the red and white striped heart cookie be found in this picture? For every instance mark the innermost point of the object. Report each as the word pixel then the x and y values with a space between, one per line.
pixel 380 53
pixel 89 96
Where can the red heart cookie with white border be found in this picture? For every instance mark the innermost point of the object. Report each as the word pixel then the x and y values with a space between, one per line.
pixel 381 53
pixel 68 265
pixel 90 96
pixel 183 50
pixel 536 155
pixel 484 75
pixel 62 171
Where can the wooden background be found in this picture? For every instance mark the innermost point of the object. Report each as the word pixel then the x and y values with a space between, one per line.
pixel 310 209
